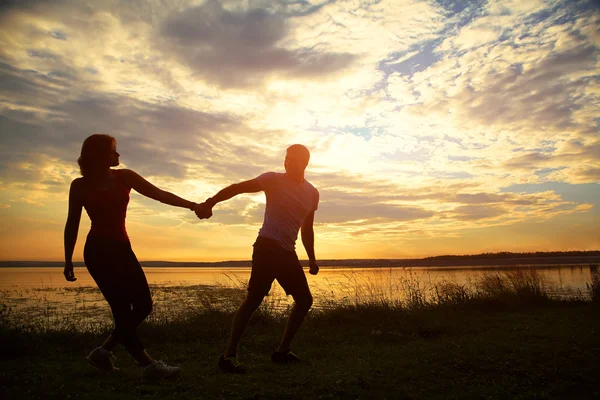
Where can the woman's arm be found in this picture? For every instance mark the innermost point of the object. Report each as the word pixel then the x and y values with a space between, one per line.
pixel 72 226
pixel 147 189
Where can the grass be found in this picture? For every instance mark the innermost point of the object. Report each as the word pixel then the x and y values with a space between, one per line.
pixel 594 286
pixel 504 336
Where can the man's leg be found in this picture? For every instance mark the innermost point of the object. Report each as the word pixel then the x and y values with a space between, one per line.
pixel 302 303
pixel 241 319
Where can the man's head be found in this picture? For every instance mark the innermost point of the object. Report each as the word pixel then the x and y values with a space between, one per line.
pixel 296 159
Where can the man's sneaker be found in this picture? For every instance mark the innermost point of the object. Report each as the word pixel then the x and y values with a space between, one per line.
pixel 159 370
pixel 284 358
pixel 102 359
pixel 231 364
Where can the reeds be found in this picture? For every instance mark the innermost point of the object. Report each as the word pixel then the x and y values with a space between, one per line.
pixel 593 287
pixel 408 292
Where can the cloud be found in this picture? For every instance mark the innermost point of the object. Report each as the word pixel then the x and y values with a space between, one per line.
pixel 157 139
pixel 240 48
pixel 574 161
pixel 29 86
pixel 539 94
pixel 484 198
pixel 510 103
pixel 354 209
pixel 545 92
pixel 590 174
pixel 477 212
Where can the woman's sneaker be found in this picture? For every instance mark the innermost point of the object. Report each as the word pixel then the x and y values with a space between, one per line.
pixel 284 358
pixel 102 359
pixel 159 370
pixel 231 364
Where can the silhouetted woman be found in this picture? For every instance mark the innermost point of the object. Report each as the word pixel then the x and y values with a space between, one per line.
pixel 104 193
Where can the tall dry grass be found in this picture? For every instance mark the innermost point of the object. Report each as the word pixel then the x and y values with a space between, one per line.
pixel 593 287
pixel 408 292
pixel 413 292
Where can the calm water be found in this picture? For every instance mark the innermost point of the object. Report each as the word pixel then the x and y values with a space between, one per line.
pixel 566 277
pixel 34 292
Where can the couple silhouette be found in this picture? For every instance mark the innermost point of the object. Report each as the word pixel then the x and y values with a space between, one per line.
pixel 110 260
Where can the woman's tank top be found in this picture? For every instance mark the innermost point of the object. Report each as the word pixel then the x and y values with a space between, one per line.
pixel 107 209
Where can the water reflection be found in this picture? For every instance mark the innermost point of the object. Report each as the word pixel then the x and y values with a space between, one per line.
pixel 43 296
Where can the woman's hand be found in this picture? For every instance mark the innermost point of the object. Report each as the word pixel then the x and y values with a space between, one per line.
pixel 68 272
pixel 203 211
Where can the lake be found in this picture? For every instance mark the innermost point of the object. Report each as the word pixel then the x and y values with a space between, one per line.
pixel 42 294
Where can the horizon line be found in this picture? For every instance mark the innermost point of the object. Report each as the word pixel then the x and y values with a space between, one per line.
pixel 487 255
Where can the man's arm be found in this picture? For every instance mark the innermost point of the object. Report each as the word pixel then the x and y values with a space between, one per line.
pixel 250 186
pixel 308 240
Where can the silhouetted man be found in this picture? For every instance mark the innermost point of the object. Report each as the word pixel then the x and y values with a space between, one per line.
pixel 291 205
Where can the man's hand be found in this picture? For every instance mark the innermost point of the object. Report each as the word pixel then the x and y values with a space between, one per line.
pixel 314 268
pixel 68 272
pixel 203 211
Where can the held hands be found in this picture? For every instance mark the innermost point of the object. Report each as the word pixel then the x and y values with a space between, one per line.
pixel 314 268
pixel 203 211
pixel 68 272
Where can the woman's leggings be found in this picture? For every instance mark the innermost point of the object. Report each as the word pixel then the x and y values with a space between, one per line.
pixel 120 278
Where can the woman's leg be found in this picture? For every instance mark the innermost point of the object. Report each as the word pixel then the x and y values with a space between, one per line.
pixel 99 256
pixel 110 343
pixel 141 306
pixel 110 264
pixel 121 279
pixel 140 299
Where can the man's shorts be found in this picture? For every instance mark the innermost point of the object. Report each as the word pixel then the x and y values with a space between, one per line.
pixel 270 261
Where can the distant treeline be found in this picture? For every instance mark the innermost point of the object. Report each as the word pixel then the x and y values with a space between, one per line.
pixel 507 254
pixel 485 259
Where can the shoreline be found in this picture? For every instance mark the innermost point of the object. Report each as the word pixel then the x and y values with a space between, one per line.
pixel 538 262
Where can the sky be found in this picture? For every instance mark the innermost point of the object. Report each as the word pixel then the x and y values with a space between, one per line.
pixel 435 127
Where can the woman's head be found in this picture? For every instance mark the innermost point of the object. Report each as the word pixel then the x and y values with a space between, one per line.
pixel 98 153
